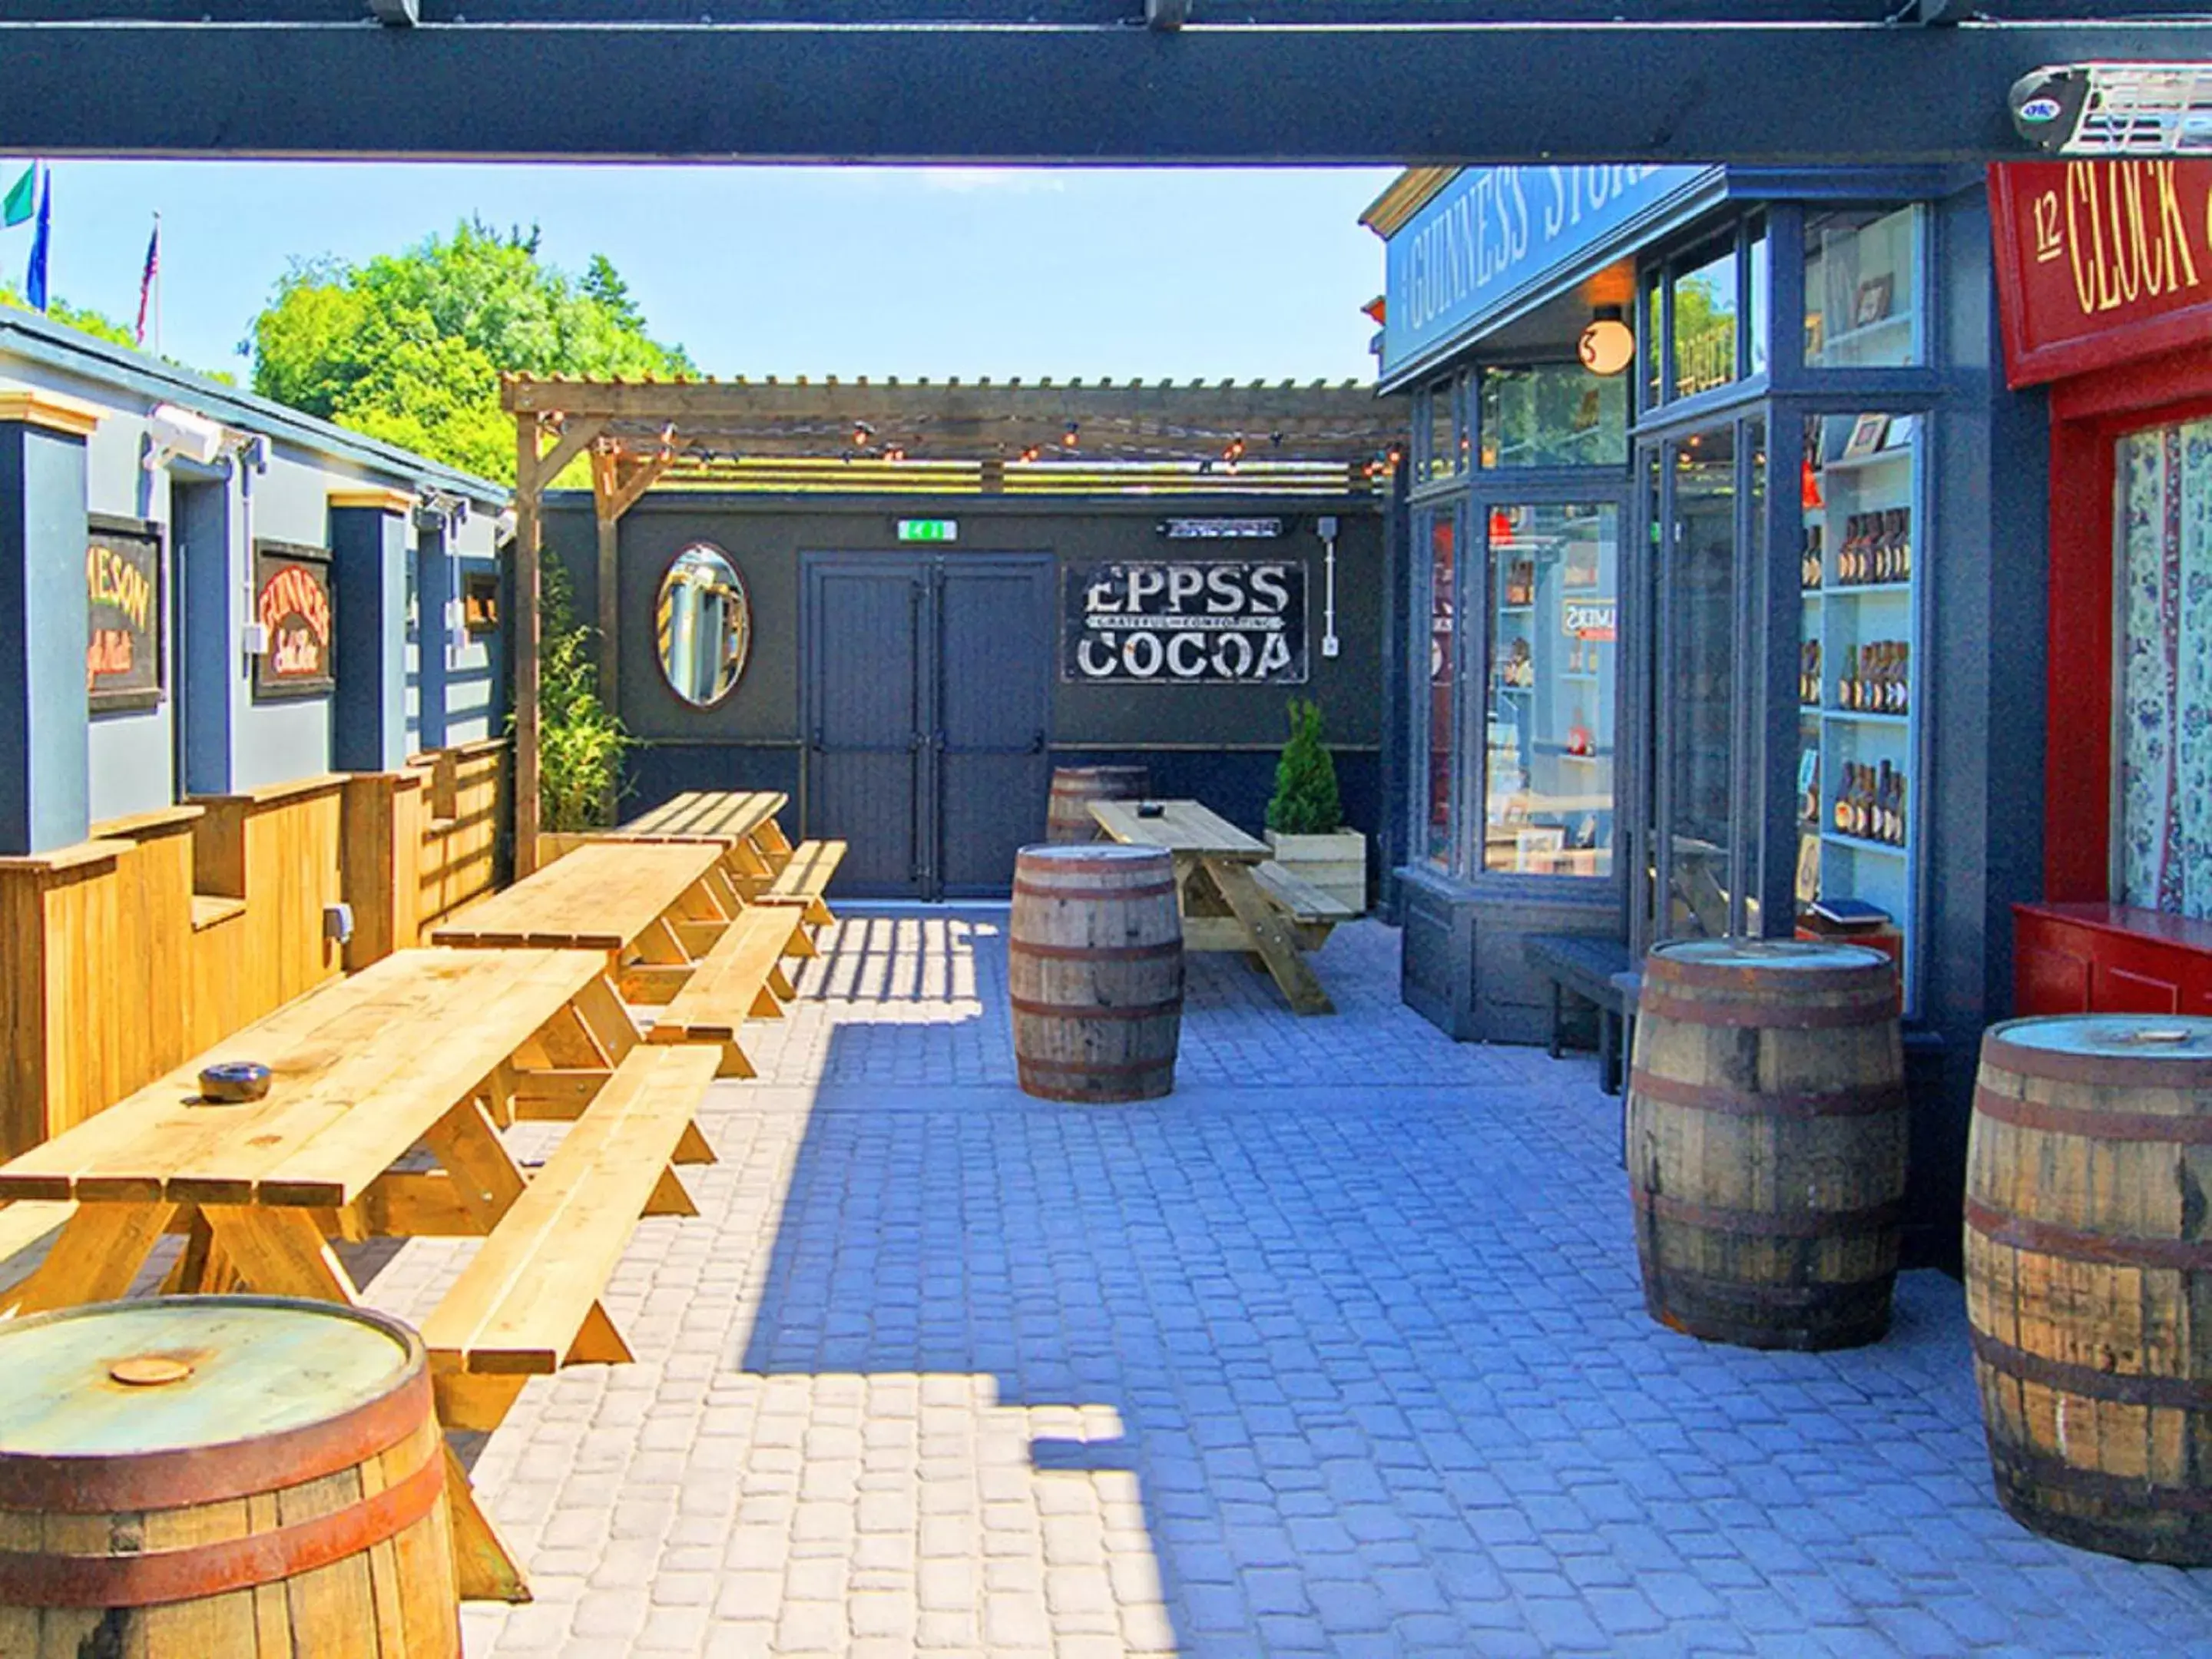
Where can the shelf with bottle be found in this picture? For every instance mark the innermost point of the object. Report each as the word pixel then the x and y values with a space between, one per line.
pixel 1876 550
pixel 1877 680
pixel 1518 582
pixel 1809 674
pixel 1869 806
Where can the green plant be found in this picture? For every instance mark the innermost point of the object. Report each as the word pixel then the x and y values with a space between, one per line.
pixel 1306 802
pixel 580 743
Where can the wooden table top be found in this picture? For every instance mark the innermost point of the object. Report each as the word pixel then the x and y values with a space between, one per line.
pixel 1183 826
pixel 600 897
pixel 706 814
pixel 362 1068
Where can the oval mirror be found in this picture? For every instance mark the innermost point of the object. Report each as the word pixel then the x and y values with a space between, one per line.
pixel 704 625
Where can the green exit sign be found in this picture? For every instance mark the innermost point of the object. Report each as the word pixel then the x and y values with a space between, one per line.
pixel 929 530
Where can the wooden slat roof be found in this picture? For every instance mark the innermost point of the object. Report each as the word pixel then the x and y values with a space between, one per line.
pixel 709 422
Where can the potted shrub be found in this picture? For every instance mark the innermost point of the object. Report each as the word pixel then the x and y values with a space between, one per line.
pixel 1305 818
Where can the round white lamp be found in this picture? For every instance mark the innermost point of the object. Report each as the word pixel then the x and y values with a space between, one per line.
pixel 1607 346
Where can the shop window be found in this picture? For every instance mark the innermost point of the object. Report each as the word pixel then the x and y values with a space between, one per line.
pixel 1553 662
pixel 1705 307
pixel 1443 686
pixel 1654 343
pixel 1553 414
pixel 480 601
pixel 1863 288
pixel 1757 299
pixel 2163 835
pixel 1442 449
pixel 1858 692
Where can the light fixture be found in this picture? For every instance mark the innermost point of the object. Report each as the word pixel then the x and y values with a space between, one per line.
pixel 863 434
pixel 2115 109
pixel 1030 453
pixel 1071 436
pixel 1607 346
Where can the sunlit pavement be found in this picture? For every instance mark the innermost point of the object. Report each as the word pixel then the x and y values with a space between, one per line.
pixel 1338 1350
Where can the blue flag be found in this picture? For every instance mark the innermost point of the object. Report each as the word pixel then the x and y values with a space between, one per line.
pixel 35 280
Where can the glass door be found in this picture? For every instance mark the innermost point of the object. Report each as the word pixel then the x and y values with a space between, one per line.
pixel 1552 687
pixel 1696 688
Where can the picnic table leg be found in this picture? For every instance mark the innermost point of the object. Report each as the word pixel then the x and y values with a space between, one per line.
pixel 94 1258
pixel 1271 936
pixel 606 1021
pixel 484 1569
pixel 1557 1015
pixel 280 1252
pixel 485 1176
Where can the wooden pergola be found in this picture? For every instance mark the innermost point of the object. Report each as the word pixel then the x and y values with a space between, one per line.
pixel 884 437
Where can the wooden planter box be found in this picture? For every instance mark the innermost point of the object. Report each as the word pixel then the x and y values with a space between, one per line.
pixel 1336 863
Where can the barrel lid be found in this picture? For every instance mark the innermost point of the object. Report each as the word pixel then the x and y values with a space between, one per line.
pixel 1787 955
pixel 179 1373
pixel 2128 1047
pixel 1092 852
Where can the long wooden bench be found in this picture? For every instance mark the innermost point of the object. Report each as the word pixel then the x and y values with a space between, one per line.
pixel 1313 911
pixel 527 1304
pixel 1592 968
pixel 804 877
pixel 741 977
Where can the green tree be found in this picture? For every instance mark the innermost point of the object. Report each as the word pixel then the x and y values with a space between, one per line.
pixel 100 325
pixel 410 347
pixel 1306 800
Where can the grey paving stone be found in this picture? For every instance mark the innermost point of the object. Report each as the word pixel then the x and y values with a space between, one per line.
pixel 1340 1348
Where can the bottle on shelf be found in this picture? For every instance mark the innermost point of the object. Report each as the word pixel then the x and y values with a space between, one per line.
pixel 1880 829
pixel 1809 572
pixel 1809 674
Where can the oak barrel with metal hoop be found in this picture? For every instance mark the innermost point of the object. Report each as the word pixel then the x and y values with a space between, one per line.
pixel 1094 966
pixel 1767 1141
pixel 1067 816
pixel 190 1476
pixel 2089 1259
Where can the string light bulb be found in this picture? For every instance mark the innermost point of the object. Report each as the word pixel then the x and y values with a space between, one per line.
pixel 1068 438
pixel 863 434
pixel 1029 452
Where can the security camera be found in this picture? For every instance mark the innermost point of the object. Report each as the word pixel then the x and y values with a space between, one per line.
pixel 183 434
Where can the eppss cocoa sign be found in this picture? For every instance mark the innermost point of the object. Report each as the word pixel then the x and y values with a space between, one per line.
pixel 1214 622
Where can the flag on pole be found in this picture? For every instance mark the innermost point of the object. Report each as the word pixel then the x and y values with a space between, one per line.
pixel 35 280
pixel 146 278
pixel 17 206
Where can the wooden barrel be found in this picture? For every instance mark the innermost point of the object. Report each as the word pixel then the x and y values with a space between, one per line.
pixel 1767 1141
pixel 237 1475
pixel 1094 964
pixel 2088 1257
pixel 1067 818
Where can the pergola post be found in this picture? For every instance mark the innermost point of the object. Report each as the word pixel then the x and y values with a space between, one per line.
pixel 616 490
pixel 525 637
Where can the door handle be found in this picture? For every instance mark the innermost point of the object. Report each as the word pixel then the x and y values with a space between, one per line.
pixel 819 746
pixel 917 743
pixel 1036 743
pixel 937 742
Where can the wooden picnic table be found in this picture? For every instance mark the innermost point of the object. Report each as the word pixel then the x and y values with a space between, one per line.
pixel 429 1048
pixel 604 895
pixel 741 822
pixel 1225 905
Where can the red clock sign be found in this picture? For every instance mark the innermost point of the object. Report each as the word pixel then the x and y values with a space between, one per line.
pixel 2099 262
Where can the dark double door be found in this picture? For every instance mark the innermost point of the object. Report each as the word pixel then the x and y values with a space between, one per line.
pixel 928 710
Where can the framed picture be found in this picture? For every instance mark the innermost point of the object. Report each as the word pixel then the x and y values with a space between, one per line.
pixel 294 601
pixel 1866 437
pixel 1874 298
pixel 124 662
pixel 1902 431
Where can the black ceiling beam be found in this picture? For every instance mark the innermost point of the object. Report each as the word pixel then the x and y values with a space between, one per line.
pixel 1784 94
pixel 1427 13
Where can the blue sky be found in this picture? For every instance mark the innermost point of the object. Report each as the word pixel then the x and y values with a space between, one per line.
pixel 880 271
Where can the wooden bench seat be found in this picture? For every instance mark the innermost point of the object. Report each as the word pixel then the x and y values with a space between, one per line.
pixel 1592 968
pixel 740 978
pixel 23 1226
pixel 1305 902
pixel 528 1302
pixel 804 877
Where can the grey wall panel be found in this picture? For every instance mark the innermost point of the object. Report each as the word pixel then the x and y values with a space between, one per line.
pixel 765 537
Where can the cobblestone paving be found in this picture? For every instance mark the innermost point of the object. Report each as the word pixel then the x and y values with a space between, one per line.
pixel 1338 1350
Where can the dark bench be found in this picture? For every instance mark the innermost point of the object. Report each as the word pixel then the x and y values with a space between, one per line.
pixel 1598 971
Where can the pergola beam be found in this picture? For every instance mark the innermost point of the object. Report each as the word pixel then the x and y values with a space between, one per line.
pixel 1342 89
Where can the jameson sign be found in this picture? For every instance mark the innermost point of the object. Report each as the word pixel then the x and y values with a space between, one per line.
pixel 1216 621
pixel 292 601
pixel 123 582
